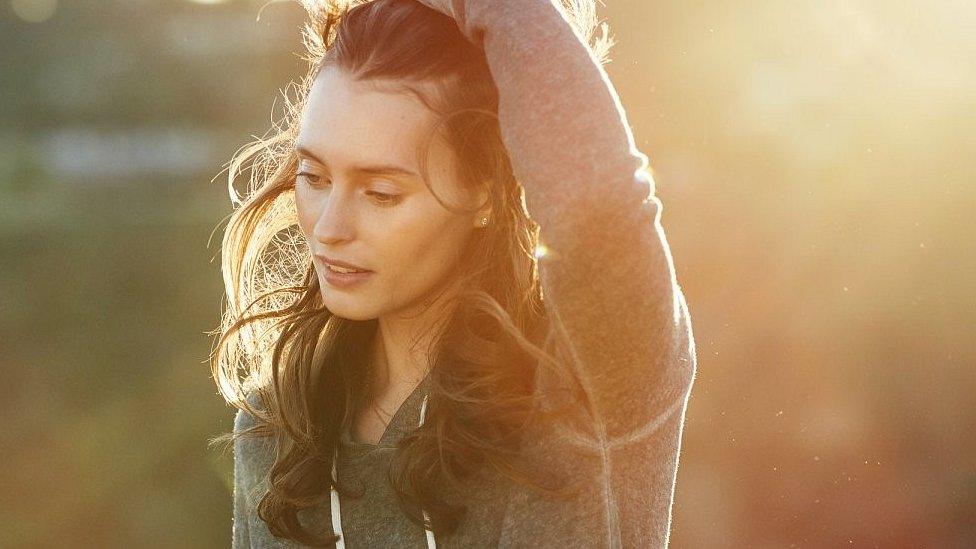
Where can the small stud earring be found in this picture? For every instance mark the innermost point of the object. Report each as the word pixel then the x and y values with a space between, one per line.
pixel 484 221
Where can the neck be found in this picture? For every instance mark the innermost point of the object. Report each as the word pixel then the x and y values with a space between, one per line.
pixel 400 351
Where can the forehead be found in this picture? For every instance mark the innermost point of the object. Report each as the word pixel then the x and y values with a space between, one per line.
pixel 347 121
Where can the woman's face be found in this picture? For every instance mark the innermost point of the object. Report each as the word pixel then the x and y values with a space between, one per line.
pixel 360 197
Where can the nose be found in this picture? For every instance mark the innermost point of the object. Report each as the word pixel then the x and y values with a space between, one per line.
pixel 336 222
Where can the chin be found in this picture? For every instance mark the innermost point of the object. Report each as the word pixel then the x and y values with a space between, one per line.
pixel 346 310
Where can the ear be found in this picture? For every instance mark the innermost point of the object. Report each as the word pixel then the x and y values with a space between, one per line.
pixel 483 198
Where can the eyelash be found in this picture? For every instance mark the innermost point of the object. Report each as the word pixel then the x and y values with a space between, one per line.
pixel 385 198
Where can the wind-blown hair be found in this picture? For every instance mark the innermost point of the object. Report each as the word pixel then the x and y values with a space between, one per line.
pixel 298 370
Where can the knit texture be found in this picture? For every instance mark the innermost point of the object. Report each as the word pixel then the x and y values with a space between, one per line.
pixel 611 292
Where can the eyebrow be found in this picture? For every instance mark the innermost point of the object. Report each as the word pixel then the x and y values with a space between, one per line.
pixel 376 169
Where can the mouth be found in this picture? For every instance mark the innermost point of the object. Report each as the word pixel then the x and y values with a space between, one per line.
pixel 342 267
pixel 343 270
pixel 342 278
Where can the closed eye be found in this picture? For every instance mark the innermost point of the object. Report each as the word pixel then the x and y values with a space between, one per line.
pixel 309 176
pixel 384 198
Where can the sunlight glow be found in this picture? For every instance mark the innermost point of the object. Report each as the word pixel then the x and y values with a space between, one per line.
pixel 34 11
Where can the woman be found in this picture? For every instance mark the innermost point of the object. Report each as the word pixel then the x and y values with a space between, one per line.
pixel 410 368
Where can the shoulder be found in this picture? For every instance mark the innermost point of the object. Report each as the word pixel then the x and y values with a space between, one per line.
pixel 253 455
pixel 243 420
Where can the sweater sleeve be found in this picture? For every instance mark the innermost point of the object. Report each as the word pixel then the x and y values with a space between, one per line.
pixel 608 278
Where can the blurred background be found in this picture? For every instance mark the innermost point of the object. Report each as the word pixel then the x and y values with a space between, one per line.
pixel 816 162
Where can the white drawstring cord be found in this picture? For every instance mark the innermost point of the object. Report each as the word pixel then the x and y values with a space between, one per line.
pixel 431 543
pixel 337 518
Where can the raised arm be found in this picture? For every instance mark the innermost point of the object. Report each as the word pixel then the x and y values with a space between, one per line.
pixel 609 279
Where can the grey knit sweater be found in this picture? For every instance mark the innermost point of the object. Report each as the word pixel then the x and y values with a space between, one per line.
pixel 610 288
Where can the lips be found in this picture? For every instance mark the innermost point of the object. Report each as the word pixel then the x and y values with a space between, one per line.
pixel 331 261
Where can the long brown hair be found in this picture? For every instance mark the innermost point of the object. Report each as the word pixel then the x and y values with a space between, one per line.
pixel 297 369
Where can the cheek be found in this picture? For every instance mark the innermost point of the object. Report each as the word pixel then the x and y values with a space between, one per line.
pixel 423 250
pixel 307 210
